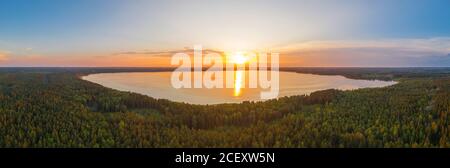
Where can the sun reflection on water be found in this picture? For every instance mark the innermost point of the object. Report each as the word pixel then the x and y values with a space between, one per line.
pixel 238 81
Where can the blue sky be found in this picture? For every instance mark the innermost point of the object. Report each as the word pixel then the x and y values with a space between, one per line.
pixel 60 29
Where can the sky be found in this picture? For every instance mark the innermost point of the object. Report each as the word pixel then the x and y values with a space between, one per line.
pixel 382 33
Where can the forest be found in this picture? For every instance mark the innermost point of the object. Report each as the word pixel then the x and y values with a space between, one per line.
pixel 53 107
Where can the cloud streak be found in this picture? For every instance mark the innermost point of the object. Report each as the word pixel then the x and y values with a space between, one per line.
pixel 390 52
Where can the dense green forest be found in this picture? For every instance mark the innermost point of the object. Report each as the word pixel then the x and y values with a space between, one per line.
pixel 55 108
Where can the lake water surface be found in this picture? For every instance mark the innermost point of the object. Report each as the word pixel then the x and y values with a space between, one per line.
pixel 158 85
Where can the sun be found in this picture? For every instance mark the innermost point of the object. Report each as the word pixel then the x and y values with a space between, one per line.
pixel 239 58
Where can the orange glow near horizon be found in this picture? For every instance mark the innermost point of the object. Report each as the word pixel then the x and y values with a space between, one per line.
pixel 161 60
pixel 238 58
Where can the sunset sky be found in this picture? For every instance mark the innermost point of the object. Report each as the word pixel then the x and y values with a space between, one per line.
pixel 146 33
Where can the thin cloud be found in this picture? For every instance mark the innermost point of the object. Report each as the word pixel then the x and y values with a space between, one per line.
pixel 432 44
pixel 4 56
pixel 166 53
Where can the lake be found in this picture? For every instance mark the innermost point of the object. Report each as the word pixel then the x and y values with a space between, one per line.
pixel 158 85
